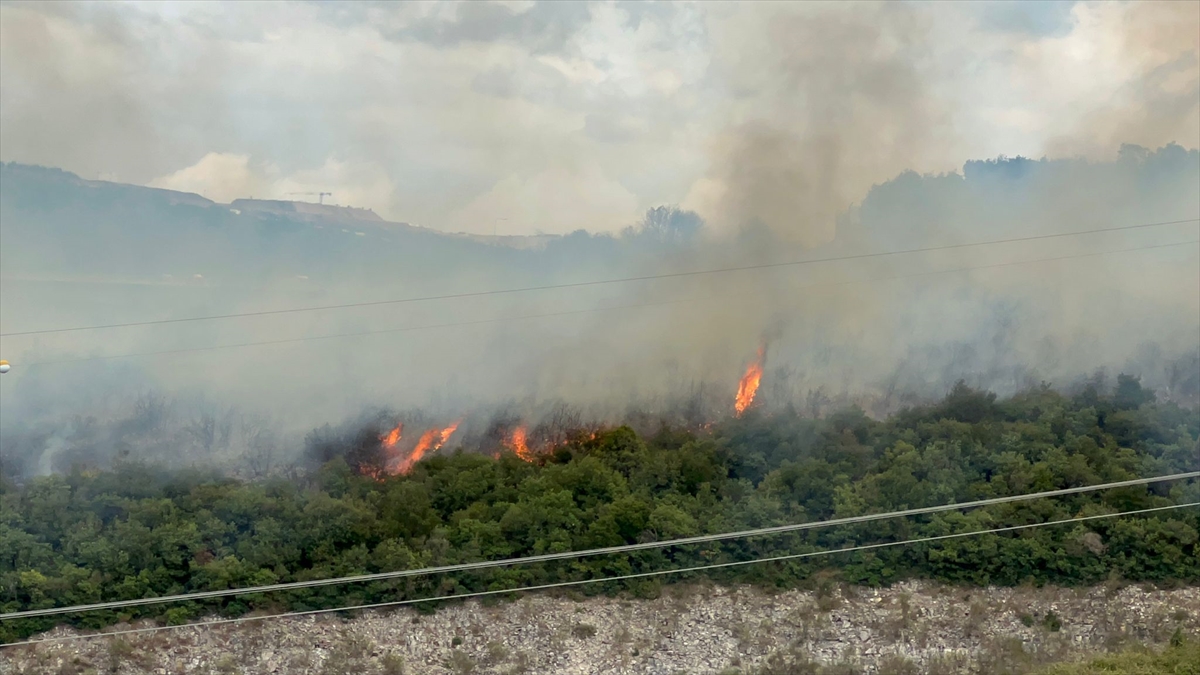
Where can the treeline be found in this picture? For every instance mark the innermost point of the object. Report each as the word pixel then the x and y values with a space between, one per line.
pixel 136 530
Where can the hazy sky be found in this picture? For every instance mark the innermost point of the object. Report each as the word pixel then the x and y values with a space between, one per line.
pixel 561 116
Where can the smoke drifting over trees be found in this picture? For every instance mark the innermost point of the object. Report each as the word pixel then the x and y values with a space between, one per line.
pixel 879 332
pixel 783 132
pixel 840 101
pixel 137 531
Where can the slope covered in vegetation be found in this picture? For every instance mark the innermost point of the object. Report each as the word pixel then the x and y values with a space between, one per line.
pixel 134 530
pixel 1181 658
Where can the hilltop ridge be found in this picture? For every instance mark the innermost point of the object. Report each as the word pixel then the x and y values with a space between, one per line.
pixel 20 178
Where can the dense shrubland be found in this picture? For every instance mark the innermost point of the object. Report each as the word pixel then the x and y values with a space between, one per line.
pixel 136 530
pixel 1181 657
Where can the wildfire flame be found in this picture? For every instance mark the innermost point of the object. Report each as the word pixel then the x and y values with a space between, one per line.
pixel 392 437
pixel 518 443
pixel 748 386
pixel 422 447
pixel 432 439
pixel 446 433
pixel 400 461
pixel 388 443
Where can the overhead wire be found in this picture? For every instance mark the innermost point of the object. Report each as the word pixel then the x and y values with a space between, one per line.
pixel 484 564
pixel 608 550
pixel 511 318
pixel 598 282
pixel 599 580
pixel 384 331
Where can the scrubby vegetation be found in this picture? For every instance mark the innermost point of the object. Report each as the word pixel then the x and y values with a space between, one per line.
pixel 1180 658
pixel 135 530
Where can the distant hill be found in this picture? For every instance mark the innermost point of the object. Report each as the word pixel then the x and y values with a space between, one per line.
pixel 58 224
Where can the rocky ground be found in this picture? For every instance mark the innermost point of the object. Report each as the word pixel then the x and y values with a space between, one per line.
pixel 908 628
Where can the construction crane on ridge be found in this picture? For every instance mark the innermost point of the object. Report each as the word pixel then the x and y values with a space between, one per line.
pixel 320 195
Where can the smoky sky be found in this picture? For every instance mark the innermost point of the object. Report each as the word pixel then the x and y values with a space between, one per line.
pixel 452 115
pixel 771 132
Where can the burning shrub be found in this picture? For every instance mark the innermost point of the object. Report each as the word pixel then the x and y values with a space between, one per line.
pixel 360 443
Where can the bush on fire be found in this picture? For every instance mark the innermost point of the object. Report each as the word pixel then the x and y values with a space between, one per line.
pixel 136 530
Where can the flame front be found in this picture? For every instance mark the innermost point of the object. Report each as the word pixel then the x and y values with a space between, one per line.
pixel 749 383
pixel 519 444
pixel 388 443
pixel 446 433
pixel 432 439
pixel 392 437
pixel 423 445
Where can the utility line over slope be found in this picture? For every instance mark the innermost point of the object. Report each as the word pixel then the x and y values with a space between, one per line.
pixel 622 577
pixel 598 282
pixel 592 310
pixel 568 555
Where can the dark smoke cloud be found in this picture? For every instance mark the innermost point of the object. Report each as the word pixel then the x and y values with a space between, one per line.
pixel 675 351
pixel 830 99
pixel 816 114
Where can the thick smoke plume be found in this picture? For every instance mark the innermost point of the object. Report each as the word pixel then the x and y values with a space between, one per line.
pixel 831 101
pixel 824 109
pixel 877 332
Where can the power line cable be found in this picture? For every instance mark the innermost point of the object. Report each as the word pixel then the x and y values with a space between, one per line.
pixel 384 331
pixel 505 319
pixel 623 577
pixel 597 282
pixel 566 555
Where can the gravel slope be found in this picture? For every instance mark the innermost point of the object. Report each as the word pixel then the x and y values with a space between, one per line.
pixel 912 627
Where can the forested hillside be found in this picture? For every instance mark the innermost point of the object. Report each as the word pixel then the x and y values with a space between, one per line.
pixel 137 530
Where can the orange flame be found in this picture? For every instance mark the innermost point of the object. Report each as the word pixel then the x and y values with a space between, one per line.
pixel 432 439
pixel 422 447
pixel 392 437
pixel 388 441
pixel 748 386
pixel 519 444
pixel 446 433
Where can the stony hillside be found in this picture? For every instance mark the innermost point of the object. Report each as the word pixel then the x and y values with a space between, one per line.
pixel 908 628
